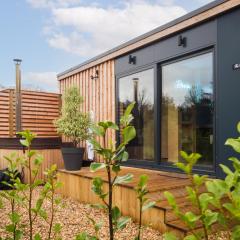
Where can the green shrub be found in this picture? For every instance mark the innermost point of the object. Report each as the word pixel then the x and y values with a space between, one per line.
pixel 21 195
pixel 223 195
pixel 73 123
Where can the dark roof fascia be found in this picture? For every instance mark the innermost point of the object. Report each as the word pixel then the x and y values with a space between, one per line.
pixel 145 35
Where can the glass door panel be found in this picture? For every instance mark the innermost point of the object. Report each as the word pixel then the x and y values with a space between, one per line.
pixel 139 87
pixel 187 108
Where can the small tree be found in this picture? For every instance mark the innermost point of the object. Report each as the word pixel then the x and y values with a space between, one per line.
pixel 73 123
pixel 112 157
pixel 144 202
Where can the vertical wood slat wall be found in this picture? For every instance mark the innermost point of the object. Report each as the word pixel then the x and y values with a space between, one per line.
pixel 98 94
pixel 39 109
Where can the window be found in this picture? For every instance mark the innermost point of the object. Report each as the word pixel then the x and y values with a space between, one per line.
pixel 187 108
pixel 139 87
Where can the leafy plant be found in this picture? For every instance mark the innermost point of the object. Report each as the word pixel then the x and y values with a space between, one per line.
pixel 144 202
pixel 49 192
pixel 14 228
pixel 200 201
pixel 22 194
pixel 73 123
pixel 112 158
pixel 226 192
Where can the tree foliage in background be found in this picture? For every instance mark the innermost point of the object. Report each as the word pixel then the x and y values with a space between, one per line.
pixel 73 123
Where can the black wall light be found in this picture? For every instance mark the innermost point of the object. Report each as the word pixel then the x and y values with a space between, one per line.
pixel 132 59
pixel 94 77
pixel 182 41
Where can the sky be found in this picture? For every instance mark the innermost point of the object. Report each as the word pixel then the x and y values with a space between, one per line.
pixel 51 36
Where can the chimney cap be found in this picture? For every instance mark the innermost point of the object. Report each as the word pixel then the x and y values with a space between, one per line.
pixel 17 60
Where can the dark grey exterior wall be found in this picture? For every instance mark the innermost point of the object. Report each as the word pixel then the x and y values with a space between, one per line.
pixel 228 83
pixel 199 37
pixel 223 35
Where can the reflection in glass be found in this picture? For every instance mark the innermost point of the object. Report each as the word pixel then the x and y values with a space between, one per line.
pixel 187 108
pixel 139 87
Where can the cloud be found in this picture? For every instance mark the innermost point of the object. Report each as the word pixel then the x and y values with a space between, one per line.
pixel 52 3
pixel 87 30
pixel 46 81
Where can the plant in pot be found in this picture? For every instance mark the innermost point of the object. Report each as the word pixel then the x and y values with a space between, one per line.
pixel 74 125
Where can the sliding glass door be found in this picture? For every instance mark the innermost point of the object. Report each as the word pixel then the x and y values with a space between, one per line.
pixel 179 118
pixel 187 108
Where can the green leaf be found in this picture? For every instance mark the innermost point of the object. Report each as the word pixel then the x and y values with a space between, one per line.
pixel 238 127
pixel 234 143
pixel 142 181
pixel 148 205
pixel 97 166
pixel 199 180
pixel 37 237
pixel 123 179
pixel 184 167
pixel 236 233
pixel 98 130
pixel 25 143
pixel 226 169
pixel 122 222
pixel 192 196
pixel 129 109
pixel 129 133
pixel 170 198
pixel 204 200
pixel 170 236
pixel 190 218
pixel 57 228
pixel 116 214
pixel 15 217
pixel 99 206
pixel 10 228
pixel 190 237
pixel 116 168
pixel 112 125
pixel 217 187
pixel 210 218
pixel 82 236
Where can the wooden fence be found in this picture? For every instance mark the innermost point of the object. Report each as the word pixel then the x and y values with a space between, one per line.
pixel 39 109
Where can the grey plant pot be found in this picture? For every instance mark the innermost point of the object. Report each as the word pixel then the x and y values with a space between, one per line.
pixel 73 158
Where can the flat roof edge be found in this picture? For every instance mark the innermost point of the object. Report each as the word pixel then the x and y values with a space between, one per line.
pixel 143 36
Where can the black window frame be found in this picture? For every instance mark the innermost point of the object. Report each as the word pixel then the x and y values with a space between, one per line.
pixel 157 164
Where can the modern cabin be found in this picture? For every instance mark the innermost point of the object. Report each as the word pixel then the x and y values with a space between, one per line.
pixel 185 79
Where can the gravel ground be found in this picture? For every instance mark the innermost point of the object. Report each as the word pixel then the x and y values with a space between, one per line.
pixel 73 218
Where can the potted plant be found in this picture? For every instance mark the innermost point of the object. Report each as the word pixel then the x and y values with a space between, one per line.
pixel 74 125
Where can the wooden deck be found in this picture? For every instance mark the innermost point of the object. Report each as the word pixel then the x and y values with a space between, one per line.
pixel 77 185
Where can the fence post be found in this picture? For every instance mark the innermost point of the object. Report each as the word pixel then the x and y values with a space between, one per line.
pixel 11 117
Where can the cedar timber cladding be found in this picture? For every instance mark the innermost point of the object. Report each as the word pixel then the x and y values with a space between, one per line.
pixel 39 109
pixel 98 94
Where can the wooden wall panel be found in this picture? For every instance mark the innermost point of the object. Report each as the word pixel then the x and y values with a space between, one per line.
pixel 39 109
pixel 98 94
pixel 50 156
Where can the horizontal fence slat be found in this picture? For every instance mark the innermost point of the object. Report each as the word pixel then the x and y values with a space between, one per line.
pixel 39 110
